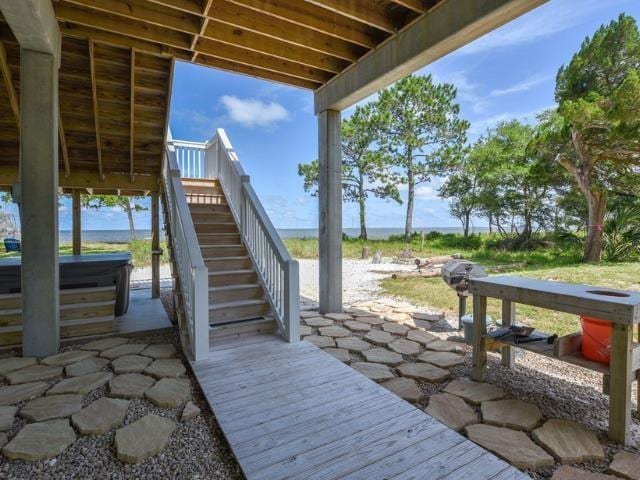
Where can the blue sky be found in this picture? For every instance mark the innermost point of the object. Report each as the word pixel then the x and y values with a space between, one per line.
pixel 506 74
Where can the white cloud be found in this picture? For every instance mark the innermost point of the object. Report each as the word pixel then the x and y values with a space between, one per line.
pixel 427 192
pixel 251 112
pixel 522 86
pixel 478 127
pixel 467 90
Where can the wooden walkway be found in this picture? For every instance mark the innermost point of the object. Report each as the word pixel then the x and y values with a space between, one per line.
pixel 293 411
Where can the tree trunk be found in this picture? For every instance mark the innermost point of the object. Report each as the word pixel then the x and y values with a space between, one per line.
pixel 465 224
pixel 132 228
pixel 363 207
pixel 597 205
pixel 490 223
pixel 411 185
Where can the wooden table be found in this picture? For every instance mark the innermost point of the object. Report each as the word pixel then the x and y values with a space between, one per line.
pixel 621 308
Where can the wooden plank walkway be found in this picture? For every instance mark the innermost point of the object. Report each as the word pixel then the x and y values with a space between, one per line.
pixel 293 411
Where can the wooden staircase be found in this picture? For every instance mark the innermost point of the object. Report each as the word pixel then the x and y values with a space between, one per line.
pixel 237 302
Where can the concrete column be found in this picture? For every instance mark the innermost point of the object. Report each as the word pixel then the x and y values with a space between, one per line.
pixel 330 214
pixel 39 202
pixel 77 222
pixel 155 246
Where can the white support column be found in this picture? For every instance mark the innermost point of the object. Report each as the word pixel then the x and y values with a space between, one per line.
pixel 330 212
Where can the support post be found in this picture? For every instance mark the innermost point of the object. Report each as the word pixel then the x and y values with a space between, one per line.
pixel 479 342
pixel 620 384
pixel 508 319
pixel 77 222
pixel 39 203
pixel 330 211
pixel 155 246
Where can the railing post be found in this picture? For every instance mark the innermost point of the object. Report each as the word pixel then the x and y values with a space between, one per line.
pixel 244 180
pixel 291 302
pixel 201 314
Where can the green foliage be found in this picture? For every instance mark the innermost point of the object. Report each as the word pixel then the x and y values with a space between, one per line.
pixel 622 234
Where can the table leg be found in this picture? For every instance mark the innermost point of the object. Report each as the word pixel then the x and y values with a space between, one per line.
pixel 479 331
pixel 621 378
pixel 508 318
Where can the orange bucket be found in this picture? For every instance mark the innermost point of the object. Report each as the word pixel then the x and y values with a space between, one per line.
pixel 596 339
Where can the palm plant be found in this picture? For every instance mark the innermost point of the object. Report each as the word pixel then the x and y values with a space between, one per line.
pixel 622 234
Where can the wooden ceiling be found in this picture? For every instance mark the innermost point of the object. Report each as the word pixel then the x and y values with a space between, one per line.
pixel 117 60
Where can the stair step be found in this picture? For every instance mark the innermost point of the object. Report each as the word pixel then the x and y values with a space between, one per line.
pixel 220 334
pixel 216 227
pixel 200 182
pixel 209 200
pixel 208 208
pixel 232 277
pixel 211 239
pixel 239 291
pixel 209 217
pixel 238 310
pixel 228 263
pixel 215 251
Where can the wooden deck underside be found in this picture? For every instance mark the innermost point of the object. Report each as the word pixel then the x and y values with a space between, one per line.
pixel 294 411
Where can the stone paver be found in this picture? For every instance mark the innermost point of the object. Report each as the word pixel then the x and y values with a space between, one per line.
pixel 166 367
pixel 379 337
pixel 104 344
pixel 7 415
pixel 304 330
pixel 511 413
pixel 34 373
pixel 382 355
pixel 67 358
pixel 395 328
pixel 397 317
pixel 143 438
pixel 442 359
pixel 338 316
pixel 84 367
pixel 424 372
pixel 370 320
pixel 320 342
pixel 380 308
pixel 49 408
pixel 374 371
pixel 445 346
pixel 12 394
pixel 512 445
pixel 421 336
pixel 130 385
pixel 474 392
pixel 334 331
pixel 452 411
pixel 130 364
pixel 101 416
pixel 82 384
pixel 318 322
pixel 356 326
pixel 121 350
pixel 626 465
pixel 189 411
pixel 353 344
pixel 38 441
pixel 569 442
pixel 405 347
pixel 8 365
pixel 308 313
pixel 405 388
pixel 165 350
pixel 567 472
pixel 339 353
pixel 169 392
pixel 3 439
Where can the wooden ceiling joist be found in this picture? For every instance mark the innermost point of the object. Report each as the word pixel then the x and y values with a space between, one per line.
pixel 132 108
pixel 96 115
pixel 418 6
pixel 63 147
pixel 365 11
pixel 5 71
pixel 203 26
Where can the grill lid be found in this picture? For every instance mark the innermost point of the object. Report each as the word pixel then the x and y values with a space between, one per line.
pixel 455 271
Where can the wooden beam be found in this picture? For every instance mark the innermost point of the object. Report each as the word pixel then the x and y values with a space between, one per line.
pixel 203 27
pixel 132 108
pixel 189 6
pixel 166 115
pixel 63 147
pixel 76 231
pixel 96 115
pixel 417 6
pixel 364 11
pixel 451 25
pixel 8 81
pixel 155 246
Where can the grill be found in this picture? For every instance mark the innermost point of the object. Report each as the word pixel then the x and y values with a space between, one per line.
pixel 456 274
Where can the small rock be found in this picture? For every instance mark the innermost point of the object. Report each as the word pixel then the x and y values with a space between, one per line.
pixel 12 394
pixel 569 442
pixel 166 350
pixel 318 322
pixel 511 414
pixel 338 316
pixel 90 365
pixel 451 410
pixel 143 438
pixel 380 338
pixel 395 328
pixel 130 364
pixel 7 414
pixel 474 392
pixel 405 347
pixel 34 373
pixel 424 372
pixel 512 445
pixel 320 342
pixel 442 359
pixel 382 355
pixel 67 358
pixel 334 331
pixel 104 344
pixel 166 367
pixel 427 317
pixel 169 392
pixel 356 326
pixel 339 353
pixel 626 465
pixel 571 473
pixel 444 346
pixel 8 365
pixel 405 388
pixel 130 385
pixel 370 320
pixel 121 350
pixel 38 441
pixel 421 336
pixel 101 416
pixel 52 462
pixel 353 344
pixel 83 384
pixel 49 408
pixel 374 371
pixel 190 411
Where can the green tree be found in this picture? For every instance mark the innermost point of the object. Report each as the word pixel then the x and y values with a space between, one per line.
pixel 421 131
pixel 125 203
pixel 365 169
pixel 595 133
pixel 462 190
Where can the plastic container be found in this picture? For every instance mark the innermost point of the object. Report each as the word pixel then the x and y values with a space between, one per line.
pixel 467 324
pixel 596 339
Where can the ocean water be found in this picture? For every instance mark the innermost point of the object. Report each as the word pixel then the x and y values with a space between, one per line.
pixel 106 236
